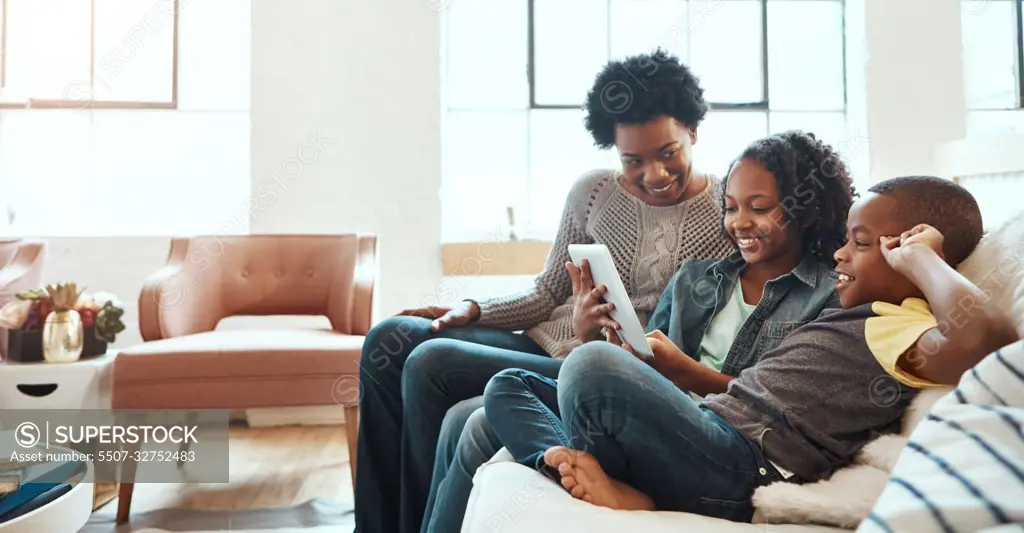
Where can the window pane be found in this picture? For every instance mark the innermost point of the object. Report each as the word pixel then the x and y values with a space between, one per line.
pixel 134 172
pixel 485 55
pixel 47 51
pixel 484 167
pixel 829 127
pixel 994 123
pixel 571 46
pixel 852 144
pixel 42 157
pixel 561 150
pixel 725 49
pixel 989 54
pixel 805 54
pixel 134 50
pixel 215 49
pixel 178 154
pixel 722 137
pixel 639 26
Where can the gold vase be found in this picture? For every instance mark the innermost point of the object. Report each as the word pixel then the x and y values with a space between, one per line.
pixel 63 337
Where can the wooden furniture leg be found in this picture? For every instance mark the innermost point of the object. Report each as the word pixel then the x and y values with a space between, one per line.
pixel 124 492
pixel 124 502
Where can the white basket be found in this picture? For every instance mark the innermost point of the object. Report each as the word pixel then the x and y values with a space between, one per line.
pixel 66 514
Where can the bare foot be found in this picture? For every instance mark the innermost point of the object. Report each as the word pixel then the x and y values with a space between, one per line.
pixel 584 478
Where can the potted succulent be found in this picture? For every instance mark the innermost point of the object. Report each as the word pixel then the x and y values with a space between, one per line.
pixel 60 323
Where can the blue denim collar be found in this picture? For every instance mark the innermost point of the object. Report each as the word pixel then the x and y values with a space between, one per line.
pixel 806 271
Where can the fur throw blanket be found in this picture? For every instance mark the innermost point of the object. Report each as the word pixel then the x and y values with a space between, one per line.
pixel 847 497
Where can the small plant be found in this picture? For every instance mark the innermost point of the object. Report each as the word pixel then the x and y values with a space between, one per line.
pixel 30 311
pixel 108 322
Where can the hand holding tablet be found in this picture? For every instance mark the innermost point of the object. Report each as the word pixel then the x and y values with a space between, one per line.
pixel 603 271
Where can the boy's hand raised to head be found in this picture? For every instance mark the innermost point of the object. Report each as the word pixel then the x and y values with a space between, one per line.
pixel 921 237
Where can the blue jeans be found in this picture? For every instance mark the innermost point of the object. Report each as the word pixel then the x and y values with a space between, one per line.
pixel 458 457
pixel 644 431
pixel 409 379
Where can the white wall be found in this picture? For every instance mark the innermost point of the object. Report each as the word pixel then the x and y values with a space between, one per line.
pixel 913 81
pixel 364 77
pixel 119 265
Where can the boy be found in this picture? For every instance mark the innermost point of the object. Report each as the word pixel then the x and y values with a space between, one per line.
pixel 633 440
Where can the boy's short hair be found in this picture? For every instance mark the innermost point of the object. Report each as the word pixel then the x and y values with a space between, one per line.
pixel 942 204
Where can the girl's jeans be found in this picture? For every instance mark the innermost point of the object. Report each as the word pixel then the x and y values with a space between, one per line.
pixel 643 429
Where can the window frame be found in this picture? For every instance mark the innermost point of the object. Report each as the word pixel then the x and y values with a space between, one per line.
pixel 46 103
pixel 762 105
pixel 1018 15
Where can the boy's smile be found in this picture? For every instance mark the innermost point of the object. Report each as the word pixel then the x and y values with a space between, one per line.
pixel 864 275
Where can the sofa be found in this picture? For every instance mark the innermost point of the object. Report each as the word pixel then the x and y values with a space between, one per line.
pixel 511 498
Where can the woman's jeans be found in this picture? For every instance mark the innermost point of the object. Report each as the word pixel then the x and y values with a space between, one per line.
pixel 458 457
pixel 409 379
pixel 642 429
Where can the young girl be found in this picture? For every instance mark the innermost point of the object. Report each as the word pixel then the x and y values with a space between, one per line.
pixel 785 205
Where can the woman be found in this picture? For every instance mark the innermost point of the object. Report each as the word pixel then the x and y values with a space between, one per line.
pixel 658 211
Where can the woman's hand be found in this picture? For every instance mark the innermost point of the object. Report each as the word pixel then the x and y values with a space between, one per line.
pixel 442 317
pixel 589 312
pixel 668 359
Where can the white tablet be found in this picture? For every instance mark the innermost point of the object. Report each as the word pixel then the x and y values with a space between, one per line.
pixel 603 271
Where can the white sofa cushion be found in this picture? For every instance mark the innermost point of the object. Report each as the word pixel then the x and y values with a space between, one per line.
pixel 997 267
pixel 512 498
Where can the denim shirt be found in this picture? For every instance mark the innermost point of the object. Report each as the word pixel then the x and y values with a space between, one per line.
pixel 700 288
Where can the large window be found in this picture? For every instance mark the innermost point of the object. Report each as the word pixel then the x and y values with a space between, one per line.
pixel 993 52
pixel 131 141
pixel 88 53
pixel 993 59
pixel 516 74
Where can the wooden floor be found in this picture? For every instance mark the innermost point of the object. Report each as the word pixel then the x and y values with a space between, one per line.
pixel 269 467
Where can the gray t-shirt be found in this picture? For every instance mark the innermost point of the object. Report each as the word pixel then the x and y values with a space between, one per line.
pixel 816 399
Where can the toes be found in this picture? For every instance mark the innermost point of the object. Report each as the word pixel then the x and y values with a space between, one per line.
pixel 578 493
pixel 569 482
pixel 588 498
pixel 565 469
pixel 557 455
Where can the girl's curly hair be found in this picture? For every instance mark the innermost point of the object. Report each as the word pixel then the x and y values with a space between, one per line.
pixel 814 184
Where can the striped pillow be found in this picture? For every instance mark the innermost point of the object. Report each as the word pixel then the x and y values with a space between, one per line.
pixel 963 469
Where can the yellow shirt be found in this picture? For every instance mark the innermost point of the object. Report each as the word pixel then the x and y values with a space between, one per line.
pixel 895 330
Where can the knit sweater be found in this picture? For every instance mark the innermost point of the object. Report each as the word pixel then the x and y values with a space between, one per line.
pixel 647 244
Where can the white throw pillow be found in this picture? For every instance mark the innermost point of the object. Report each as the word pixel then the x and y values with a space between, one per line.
pixel 997 267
